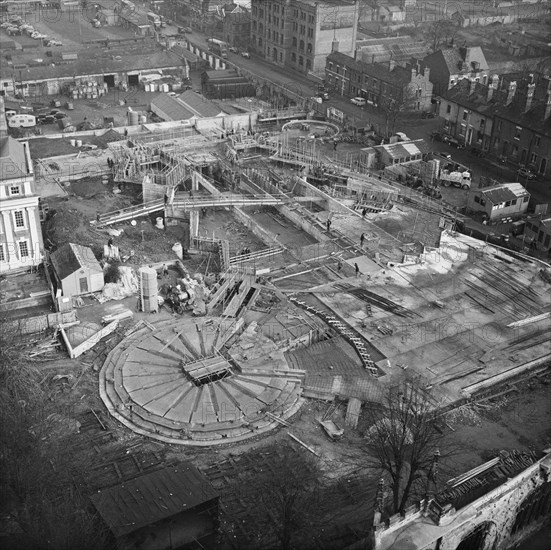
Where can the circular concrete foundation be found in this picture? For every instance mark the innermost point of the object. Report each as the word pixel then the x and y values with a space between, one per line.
pixel 319 124
pixel 171 383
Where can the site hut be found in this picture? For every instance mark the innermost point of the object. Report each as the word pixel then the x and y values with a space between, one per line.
pixel 400 153
pixel 500 201
pixel 76 270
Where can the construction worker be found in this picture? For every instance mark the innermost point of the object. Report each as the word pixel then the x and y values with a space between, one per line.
pixel 362 239
pixel 328 224
pixel 357 269
pixel 364 212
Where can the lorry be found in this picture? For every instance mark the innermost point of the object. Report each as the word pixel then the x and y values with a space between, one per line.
pixel 448 178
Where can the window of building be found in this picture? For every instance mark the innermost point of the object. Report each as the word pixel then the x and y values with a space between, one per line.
pixel 525 199
pixel 311 19
pixel 19 219
pixel 255 11
pixel 301 46
pixel 295 44
pixel 260 42
pixel 294 57
pixel 465 115
pixel 295 26
pixel 261 13
pixel 15 190
pixel 23 249
pixel 309 48
pixel 295 13
pixel 513 202
pixel 301 61
pixel 518 131
pixel 448 109
pixel 280 56
pixel 302 29
pixel 330 66
pixel 508 203
pixel 282 11
pixel 2 255
pixel 537 141
pixel 514 152
pixel 533 158
pixel 303 15
pixel 310 33
pixel 308 65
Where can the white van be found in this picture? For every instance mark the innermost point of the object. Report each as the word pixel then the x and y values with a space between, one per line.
pixel 22 121
pixel 360 101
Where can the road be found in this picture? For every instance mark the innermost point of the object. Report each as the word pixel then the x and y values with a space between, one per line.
pixel 414 126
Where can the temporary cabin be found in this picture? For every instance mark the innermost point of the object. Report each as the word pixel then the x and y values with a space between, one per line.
pixel 76 270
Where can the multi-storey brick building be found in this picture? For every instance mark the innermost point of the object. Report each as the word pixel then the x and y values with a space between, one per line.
pixel 380 83
pixel 21 244
pixel 510 117
pixel 301 33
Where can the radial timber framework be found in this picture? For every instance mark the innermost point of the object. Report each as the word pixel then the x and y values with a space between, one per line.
pixel 176 384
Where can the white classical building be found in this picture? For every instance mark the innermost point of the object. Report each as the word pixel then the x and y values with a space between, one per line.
pixel 21 244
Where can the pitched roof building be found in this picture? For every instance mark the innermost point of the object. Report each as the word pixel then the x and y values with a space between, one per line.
pixel 21 244
pixel 499 202
pixel 449 65
pixel 379 83
pixel 509 117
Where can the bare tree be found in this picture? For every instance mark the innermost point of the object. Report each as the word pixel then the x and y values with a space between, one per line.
pixel 441 32
pixel 36 465
pixel 404 444
pixel 393 105
pixel 282 498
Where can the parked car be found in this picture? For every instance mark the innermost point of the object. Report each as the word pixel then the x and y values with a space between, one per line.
pixel 452 142
pixel 445 155
pixel 60 115
pixel 526 173
pixel 187 30
pixel 437 136
pixel 246 54
pixel 477 152
pixel 360 101
pixel 46 119
pixel 429 114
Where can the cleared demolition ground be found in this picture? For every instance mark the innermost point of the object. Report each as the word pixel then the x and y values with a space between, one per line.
pixel 304 322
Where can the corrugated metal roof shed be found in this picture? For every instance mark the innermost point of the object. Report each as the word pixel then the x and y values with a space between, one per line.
pixel 170 108
pixel 504 193
pixel 153 497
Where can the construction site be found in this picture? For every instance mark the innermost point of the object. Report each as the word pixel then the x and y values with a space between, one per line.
pixel 282 289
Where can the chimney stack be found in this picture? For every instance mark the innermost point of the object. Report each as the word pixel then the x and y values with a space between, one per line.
pixel 511 90
pixel 529 96
pixel 472 86
pixel 492 86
